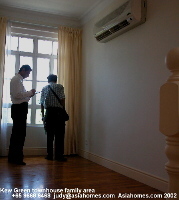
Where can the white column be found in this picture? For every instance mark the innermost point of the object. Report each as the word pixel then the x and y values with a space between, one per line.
pixel 169 121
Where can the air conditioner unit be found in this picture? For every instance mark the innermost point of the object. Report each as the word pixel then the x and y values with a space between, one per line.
pixel 129 15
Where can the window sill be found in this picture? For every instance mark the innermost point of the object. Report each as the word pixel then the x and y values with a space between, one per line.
pixel 30 125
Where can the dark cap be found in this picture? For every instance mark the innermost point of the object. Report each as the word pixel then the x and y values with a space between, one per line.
pixel 26 67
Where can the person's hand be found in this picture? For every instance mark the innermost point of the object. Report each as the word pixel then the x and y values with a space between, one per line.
pixel 33 92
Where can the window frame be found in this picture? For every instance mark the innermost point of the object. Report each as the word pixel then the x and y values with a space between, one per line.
pixel 35 55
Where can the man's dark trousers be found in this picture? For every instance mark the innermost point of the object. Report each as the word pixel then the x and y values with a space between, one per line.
pixel 19 117
pixel 55 128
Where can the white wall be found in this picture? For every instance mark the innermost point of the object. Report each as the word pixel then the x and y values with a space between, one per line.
pixel 120 92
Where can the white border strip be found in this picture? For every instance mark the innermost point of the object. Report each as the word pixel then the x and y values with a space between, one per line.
pixel 35 151
pixel 31 151
pixel 137 175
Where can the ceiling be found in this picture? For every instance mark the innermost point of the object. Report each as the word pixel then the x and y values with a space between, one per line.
pixel 76 9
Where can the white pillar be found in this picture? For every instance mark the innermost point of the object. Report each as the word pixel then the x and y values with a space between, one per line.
pixel 169 121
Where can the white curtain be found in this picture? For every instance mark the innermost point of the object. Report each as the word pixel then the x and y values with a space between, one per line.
pixel 69 69
pixel 5 94
pixel 3 23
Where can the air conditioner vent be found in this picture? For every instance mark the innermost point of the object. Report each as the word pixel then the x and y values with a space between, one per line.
pixel 119 26
pixel 103 35
pixel 112 30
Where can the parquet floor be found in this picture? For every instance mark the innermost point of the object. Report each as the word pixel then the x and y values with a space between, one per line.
pixel 42 179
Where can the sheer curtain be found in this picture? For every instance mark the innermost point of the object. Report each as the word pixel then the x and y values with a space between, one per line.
pixel 69 69
pixel 3 25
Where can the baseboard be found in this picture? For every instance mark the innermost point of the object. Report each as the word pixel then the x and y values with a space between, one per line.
pixel 35 151
pixel 140 176
pixel 39 151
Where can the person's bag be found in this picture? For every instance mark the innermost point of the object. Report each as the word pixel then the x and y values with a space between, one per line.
pixel 65 115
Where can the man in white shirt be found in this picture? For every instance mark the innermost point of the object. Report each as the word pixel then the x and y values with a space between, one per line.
pixel 19 110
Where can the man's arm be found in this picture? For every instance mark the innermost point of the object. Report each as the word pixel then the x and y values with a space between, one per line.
pixel 42 104
pixel 42 110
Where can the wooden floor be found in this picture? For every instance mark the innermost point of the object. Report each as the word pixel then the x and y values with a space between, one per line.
pixel 44 179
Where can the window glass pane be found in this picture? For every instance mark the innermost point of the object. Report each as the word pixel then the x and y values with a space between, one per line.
pixel 25 60
pixel 9 120
pixel 26 44
pixel 55 67
pixel 55 48
pixel 14 43
pixel 38 95
pixel 42 69
pixel 38 119
pixel 40 85
pixel 10 66
pixel 9 73
pixel 45 47
pixel 28 87
pixel 8 99
pixel 29 116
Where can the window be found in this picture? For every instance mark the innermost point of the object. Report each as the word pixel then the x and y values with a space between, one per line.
pixel 41 54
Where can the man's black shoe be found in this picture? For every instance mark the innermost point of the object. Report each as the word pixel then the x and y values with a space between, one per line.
pixel 17 162
pixel 49 157
pixel 20 163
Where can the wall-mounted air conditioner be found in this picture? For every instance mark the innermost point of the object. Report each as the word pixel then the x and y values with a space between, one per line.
pixel 129 15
